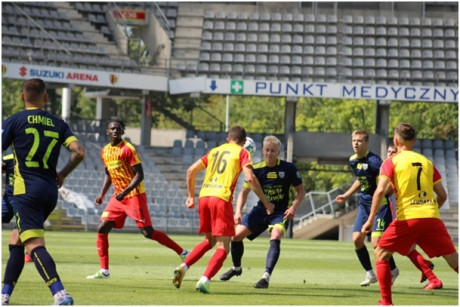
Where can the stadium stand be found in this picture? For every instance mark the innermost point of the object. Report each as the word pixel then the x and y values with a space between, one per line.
pixel 339 42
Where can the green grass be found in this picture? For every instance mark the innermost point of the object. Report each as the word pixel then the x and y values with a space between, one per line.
pixel 307 273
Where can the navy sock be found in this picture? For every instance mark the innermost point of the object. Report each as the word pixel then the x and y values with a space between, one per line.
pixel 237 249
pixel 363 256
pixel 272 255
pixel 13 268
pixel 47 268
pixel 392 263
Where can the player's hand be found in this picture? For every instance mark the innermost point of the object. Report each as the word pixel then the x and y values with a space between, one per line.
pixel 120 196
pixel 99 200
pixel 60 179
pixel 367 227
pixel 340 199
pixel 270 208
pixel 190 202
pixel 237 218
pixel 289 213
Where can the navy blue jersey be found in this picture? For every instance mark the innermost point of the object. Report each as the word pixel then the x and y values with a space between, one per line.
pixel 276 182
pixel 366 170
pixel 36 137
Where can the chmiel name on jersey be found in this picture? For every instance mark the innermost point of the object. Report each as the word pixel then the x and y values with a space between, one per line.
pixel 40 119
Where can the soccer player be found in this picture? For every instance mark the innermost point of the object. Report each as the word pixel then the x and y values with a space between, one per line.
pixel 417 259
pixel 366 167
pixel 123 169
pixel 36 137
pixel 276 178
pixel 223 165
pixel 420 194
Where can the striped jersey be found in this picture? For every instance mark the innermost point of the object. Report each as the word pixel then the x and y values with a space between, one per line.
pixel 118 161
pixel 412 176
pixel 223 166
pixel 36 137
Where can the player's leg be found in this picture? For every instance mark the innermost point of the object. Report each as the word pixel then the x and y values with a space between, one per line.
pixel 215 263
pixel 102 244
pixel 201 248
pixel 382 257
pixel 237 251
pixel 163 239
pixel 422 264
pixel 252 225
pixel 14 266
pixel 139 211
pixel 434 240
pixel 452 260
pixel 360 248
pixel 222 229
pixel 277 229
pixel 46 267
pixel 382 221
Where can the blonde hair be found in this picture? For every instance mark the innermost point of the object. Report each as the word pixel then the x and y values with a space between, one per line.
pixel 272 139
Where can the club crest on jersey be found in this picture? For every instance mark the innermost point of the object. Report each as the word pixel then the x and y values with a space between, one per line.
pixel 281 174
pixel 363 166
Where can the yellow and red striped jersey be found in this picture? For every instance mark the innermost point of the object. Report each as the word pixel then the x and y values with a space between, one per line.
pixel 223 166
pixel 412 176
pixel 118 161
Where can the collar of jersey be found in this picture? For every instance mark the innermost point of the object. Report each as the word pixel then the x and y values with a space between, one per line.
pixel 264 163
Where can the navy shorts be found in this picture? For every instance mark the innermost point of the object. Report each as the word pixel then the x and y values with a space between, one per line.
pixel 257 220
pixel 31 212
pixel 7 209
pixel 383 218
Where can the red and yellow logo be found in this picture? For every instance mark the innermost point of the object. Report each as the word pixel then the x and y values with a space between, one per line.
pixel 113 79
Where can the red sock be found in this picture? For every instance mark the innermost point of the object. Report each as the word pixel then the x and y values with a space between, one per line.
pixel 422 264
pixel 198 251
pixel 163 239
pixel 384 278
pixel 215 263
pixel 102 244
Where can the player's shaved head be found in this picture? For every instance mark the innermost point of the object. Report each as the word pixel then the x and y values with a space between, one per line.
pixel 34 91
pixel 238 134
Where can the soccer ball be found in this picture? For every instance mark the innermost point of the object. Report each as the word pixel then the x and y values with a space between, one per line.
pixel 250 146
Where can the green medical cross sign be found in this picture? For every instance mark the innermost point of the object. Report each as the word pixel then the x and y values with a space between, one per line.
pixel 237 87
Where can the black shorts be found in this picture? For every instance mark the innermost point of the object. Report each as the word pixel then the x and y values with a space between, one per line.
pixel 31 212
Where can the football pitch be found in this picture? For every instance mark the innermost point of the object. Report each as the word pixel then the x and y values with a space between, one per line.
pixel 308 273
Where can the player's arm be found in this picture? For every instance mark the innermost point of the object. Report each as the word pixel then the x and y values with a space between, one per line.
pixel 441 194
pixel 290 212
pixel 240 202
pixel 77 154
pixel 377 198
pixel 342 198
pixel 105 187
pixel 255 186
pixel 196 167
pixel 137 179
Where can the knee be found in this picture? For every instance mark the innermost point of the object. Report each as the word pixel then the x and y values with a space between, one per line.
pixel 147 232
pixel 105 227
pixel 381 254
